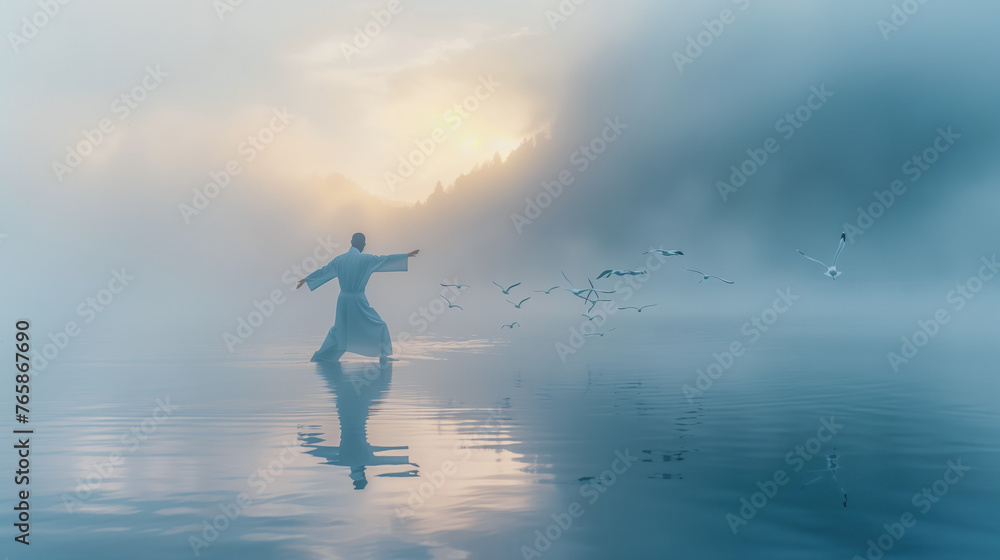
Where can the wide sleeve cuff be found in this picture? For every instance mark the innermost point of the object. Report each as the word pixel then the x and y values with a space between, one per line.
pixel 393 263
pixel 321 276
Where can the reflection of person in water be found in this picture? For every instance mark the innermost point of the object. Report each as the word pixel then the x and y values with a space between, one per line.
pixel 356 390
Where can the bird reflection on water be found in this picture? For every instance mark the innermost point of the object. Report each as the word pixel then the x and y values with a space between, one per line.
pixel 831 467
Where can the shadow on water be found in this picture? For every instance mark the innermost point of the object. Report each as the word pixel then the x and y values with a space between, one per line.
pixel 683 425
pixel 356 388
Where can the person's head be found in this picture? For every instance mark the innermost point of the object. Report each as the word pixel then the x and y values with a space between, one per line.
pixel 358 240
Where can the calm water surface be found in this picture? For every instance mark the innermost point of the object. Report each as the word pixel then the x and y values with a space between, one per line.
pixel 493 448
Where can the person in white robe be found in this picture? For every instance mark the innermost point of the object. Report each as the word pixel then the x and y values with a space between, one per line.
pixel 357 327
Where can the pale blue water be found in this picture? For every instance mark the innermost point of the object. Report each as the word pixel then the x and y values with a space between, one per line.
pixel 499 436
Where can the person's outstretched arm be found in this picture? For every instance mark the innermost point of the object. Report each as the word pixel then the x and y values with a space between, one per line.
pixel 392 263
pixel 320 276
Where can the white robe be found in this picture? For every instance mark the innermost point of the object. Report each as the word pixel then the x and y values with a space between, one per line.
pixel 357 327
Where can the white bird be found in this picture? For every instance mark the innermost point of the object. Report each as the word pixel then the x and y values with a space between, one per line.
pixel 450 304
pixel 600 333
pixel 589 291
pixel 607 273
pixel 831 271
pixel 593 303
pixel 639 309
pixel 547 292
pixel 589 317
pixel 665 253
pixel 511 326
pixel 507 291
pixel 707 276
pixel 456 286
pixel 517 305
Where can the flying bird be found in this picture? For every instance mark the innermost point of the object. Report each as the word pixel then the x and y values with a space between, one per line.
pixel 831 271
pixel 600 333
pixel 450 304
pixel 589 291
pixel 511 326
pixel 639 309
pixel 518 304
pixel 664 253
pixel 589 317
pixel 609 272
pixel 456 286
pixel 707 276
pixel 507 291
pixel 593 303
pixel 547 292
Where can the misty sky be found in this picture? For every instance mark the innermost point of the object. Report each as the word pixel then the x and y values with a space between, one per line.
pixel 357 109
pixel 330 104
